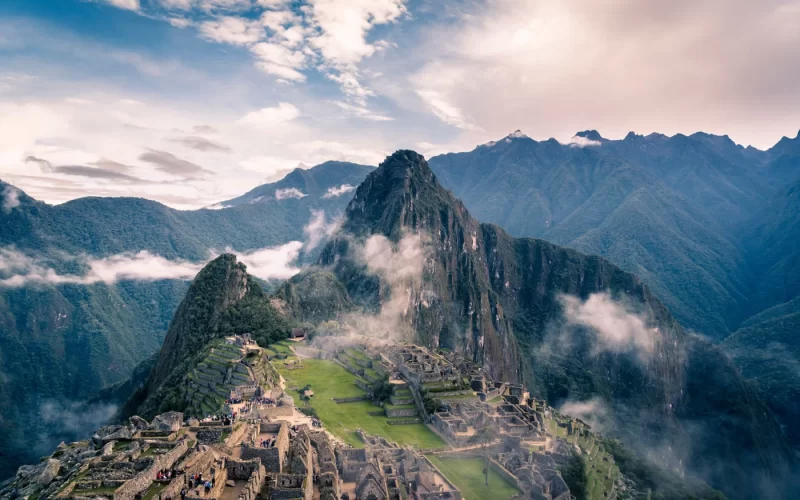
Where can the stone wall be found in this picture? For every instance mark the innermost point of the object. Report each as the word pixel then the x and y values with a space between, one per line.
pixel 242 469
pixel 270 458
pixel 274 411
pixel 142 481
pixel 211 435
pixel 402 412
pixel 291 486
pixel 253 487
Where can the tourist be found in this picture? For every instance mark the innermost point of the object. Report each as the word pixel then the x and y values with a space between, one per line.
pixel 208 487
pixel 183 493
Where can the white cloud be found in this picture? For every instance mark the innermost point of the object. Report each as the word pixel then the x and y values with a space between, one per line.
pixel 363 112
pixel 617 328
pixel 125 4
pixel 25 270
pixel 319 229
pixel 287 193
pixel 279 60
pixel 142 266
pixel 180 22
pixel 334 192
pixel 232 30
pixel 268 117
pixel 444 110
pixel 578 141
pixel 277 263
pixel 344 25
pixel 10 199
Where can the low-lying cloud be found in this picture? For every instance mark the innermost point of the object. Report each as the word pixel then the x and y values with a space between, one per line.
pixel 400 267
pixel 593 411
pixel 283 194
pixel 23 270
pixel 579 141
pixel 334 192
pixel 10 199
pixel 275 263
pixel 617 327
pixel 319 229
pixel 19 270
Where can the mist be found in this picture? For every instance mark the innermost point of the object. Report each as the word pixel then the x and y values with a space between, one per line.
pixel 617 327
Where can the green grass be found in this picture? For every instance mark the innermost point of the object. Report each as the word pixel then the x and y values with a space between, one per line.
pixel 467 475
pixel 94 491
pixel 153 490
pixel 329 380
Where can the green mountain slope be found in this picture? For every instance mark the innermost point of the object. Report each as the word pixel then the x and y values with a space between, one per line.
pixel 497 300
pixel 621 200
pixel 223 299
pixel 60 345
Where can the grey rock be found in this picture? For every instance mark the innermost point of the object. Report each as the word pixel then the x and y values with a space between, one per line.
pixel 230 482
pixel 170 421
pixel 139 423
pixel 111 433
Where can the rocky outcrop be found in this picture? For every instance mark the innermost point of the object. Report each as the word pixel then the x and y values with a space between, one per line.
pixel 169 421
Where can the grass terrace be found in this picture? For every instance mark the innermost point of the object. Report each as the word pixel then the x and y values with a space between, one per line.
pixel 467 475
pixel 329 380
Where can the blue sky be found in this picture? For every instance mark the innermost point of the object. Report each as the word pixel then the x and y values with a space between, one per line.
pixel 190 102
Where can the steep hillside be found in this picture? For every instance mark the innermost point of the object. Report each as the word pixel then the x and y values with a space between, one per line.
pixel 223 299
pixel 60 344
pixel 499 301
pixel 630 201
pixel 767 350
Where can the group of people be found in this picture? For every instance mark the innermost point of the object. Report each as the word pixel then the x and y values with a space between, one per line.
pixel 165 474
pixel 196 481
pixel 227 419
pixel 268 443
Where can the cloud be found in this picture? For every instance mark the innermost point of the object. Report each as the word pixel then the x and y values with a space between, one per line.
pixel 273 168
pixel 593 411
pixel 579 141
pixel 283 194
pixel 232 30
pixel 617 328
pixel 444 110
pixel 112 173
pixel 279 60
pixel 169 163
pixel 363 112
pixel 125 4
pixel 112 165
pixel 27 270
pixel 19 270
pixel 319 229
pixel 276 263
pixel 334 191
pixel 10 199
pixel 202 144
pixel 268 117
pixel 399 266
pixel 204 129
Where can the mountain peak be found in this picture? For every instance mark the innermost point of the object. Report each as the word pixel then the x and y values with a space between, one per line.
pixel 517 134
pixel 592 135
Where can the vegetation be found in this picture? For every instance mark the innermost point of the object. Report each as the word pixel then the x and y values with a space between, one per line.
pixel 467 475
pixel 330 380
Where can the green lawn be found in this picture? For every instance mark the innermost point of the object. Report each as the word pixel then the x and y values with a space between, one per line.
pixel 467 475
pixel 329 380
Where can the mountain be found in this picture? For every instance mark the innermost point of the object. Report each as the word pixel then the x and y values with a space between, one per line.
pixel 223 299
pixel 624 200
pixel 767 350
pixel 505 303
pixel 61 343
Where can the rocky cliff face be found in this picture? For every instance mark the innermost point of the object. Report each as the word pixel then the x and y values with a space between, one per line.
pixel 501 301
